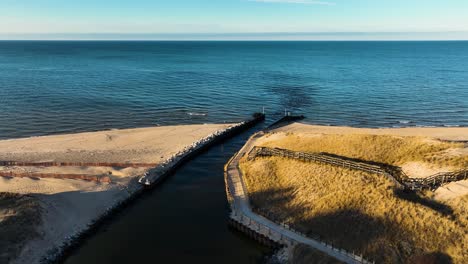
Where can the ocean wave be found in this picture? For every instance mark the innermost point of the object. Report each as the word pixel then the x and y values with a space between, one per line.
pixel 425 126
pixel 196 114
pixel 50 69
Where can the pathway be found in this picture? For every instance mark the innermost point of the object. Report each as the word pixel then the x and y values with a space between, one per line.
pixel 242 213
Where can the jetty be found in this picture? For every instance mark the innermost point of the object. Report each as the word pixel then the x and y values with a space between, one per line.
pixel 262 229
pixel 155 175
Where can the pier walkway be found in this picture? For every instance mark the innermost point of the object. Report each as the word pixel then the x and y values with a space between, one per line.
pixel 242 213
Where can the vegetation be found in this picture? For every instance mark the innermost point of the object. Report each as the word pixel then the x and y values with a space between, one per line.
pixel 302 254
pixel 19 218
pixel 358 211
pixel 386 149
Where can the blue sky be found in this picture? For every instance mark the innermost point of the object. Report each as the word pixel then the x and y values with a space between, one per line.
pixel 445 19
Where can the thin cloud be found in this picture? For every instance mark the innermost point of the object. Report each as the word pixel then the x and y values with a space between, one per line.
pixel 304 2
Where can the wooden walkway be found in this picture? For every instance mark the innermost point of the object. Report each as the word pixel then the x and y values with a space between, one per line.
pixel 431 182
pixel 241 213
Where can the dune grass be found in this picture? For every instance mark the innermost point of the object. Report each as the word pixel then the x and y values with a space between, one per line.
pixel 19 218
pixel 302 254
pixel 358 211
pixel 386 149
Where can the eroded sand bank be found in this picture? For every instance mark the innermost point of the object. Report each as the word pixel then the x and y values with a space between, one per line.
pixel 67 205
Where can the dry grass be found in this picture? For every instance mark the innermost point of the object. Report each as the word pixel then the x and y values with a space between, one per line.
pixel 358 211
pixel 303 254
pixel 19 218
pixel 387 149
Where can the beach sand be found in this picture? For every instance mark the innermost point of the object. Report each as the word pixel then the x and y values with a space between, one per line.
pixel 142 145
pixel 442 133
pixel 67 205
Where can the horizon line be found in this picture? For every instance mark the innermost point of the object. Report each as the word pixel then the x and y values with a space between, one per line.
pixel 238 40
pixel 248 36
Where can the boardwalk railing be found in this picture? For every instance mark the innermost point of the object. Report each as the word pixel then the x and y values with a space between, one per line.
pixel 401 180
pixel 268 236
pixel 255 224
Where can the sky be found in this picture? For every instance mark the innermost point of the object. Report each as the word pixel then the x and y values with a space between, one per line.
pixel 234 19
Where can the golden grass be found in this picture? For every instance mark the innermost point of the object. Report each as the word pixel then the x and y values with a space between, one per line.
pixel 387 149
pixel 302 254
pixel 358 211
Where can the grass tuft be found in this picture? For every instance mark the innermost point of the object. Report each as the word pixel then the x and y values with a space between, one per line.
pixel 358 211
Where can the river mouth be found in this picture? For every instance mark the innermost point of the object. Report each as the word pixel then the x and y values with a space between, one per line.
pixel 184 219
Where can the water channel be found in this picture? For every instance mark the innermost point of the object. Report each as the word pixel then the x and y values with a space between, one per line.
pixel 183 220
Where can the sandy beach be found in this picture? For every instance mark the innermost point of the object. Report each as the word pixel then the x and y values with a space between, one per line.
pixel 143 145
pixel 68 206
pixel 442 133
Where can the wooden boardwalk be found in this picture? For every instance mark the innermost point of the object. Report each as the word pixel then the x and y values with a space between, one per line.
pixel 242 214
pixel 431 182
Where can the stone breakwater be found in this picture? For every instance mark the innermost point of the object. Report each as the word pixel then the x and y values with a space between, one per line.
pixel 154 175
pixel 133 190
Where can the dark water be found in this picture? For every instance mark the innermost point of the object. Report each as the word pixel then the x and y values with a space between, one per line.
pixel 58 87
pixel 184 220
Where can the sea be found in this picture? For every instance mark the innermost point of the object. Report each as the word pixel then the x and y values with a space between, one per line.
pixel 54 87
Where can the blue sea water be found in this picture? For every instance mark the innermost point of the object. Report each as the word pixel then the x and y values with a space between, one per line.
pixel 49 87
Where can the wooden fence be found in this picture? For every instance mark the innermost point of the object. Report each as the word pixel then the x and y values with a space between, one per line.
pixel 77 164
pixel 400 179
pixel 85 177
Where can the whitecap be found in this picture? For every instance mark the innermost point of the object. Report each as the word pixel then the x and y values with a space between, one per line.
pixel 196 114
